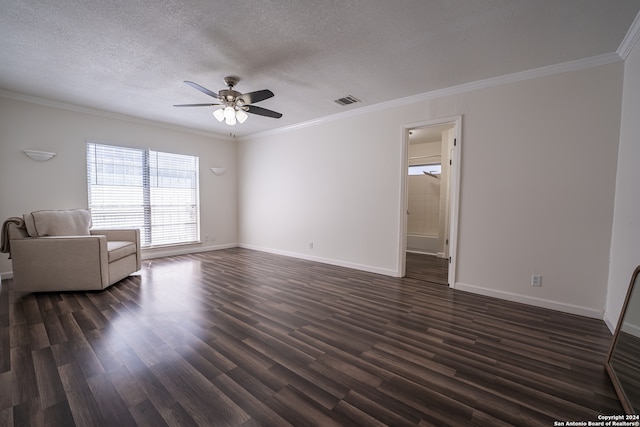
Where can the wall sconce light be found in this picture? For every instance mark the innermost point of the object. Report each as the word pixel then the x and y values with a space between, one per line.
pixel 39 156
pixel 218 171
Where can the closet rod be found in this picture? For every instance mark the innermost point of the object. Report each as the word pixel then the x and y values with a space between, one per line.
pixel 431 175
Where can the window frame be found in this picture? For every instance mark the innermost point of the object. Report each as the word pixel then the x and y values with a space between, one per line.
pixel 424 166
pixel 143 175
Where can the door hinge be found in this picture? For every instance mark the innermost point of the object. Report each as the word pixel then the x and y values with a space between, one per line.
pixel 450 163
pixel 446 242
pixel 449 260
pixel 455 141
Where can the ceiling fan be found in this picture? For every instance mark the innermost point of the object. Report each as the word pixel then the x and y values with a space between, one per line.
pixel 234 105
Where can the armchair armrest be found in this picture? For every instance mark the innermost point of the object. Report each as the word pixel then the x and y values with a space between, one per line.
pixel 60 263
pixel 121 235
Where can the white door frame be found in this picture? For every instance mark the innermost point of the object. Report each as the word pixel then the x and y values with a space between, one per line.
pixel 454 193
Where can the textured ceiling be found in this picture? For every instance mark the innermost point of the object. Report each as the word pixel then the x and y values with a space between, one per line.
pixel 131 57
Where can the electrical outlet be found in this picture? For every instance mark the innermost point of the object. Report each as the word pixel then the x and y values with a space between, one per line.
pixel 536 280
pixel 310 245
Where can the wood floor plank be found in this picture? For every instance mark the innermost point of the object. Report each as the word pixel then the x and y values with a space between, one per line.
pixel 146 380
pixel 176 415
pixel 50 388
pixel 200 398
pixel 28 413
pixel 384 408
pixel 6 390
pixel 6 416
pixel 298 409
pixel 111 406
pixel 244 338
pixel 145 414
pixel 258 410
pixel 355 416
pixel 82 404
pixel 24 385
pixel 5 347
pixel 127 386
pixel 58 415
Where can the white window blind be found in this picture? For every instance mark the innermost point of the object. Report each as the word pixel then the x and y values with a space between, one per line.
pixel 150 190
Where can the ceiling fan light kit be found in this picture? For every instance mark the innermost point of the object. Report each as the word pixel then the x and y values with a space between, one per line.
pixel 219 114
pixel 234 105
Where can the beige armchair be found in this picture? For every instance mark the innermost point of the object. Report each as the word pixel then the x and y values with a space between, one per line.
pixel 57 251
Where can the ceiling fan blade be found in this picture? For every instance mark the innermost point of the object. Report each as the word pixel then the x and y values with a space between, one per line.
pixel 201 89
pixel 262 111
pixel 194 105
pixel 257 96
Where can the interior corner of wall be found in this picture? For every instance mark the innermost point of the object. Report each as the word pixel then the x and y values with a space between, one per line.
pixel 611 324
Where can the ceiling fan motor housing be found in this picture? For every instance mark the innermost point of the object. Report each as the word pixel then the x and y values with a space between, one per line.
pixel 228 95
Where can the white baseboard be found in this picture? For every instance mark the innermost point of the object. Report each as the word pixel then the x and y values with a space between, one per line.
pixel 537 302
pixel 182 250
pixel 355 266
pixel 416 251
pixel 631 329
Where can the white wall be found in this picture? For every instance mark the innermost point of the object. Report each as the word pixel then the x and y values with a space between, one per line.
pixel 538 189
pixel 537 185
pixel 26 185
pixel 336 185
pixel 625 241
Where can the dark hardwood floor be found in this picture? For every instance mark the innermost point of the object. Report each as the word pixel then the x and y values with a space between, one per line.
pixel 244 338
pixel 428 268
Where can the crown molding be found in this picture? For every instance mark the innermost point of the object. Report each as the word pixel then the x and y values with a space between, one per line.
pixel 579 64
pixel 102 113
pixel 630 38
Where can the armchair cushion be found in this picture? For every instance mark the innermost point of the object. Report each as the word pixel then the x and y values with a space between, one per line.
pixel 119 250
pixel 74 222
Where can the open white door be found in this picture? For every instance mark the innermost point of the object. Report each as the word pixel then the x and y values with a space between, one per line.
pixel 451 151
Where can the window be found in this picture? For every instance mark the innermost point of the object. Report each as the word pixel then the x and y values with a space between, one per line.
pixel 432 169
pixel 150 190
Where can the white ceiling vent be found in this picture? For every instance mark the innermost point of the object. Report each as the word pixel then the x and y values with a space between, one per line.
pixel 349 99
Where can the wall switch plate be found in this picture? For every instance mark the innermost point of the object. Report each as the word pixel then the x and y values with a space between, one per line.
pixel 536 280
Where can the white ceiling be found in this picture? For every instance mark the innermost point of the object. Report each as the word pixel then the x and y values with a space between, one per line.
pixel 131 57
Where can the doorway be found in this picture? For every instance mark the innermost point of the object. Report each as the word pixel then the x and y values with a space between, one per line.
pixel 427 267
pixel 430 188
